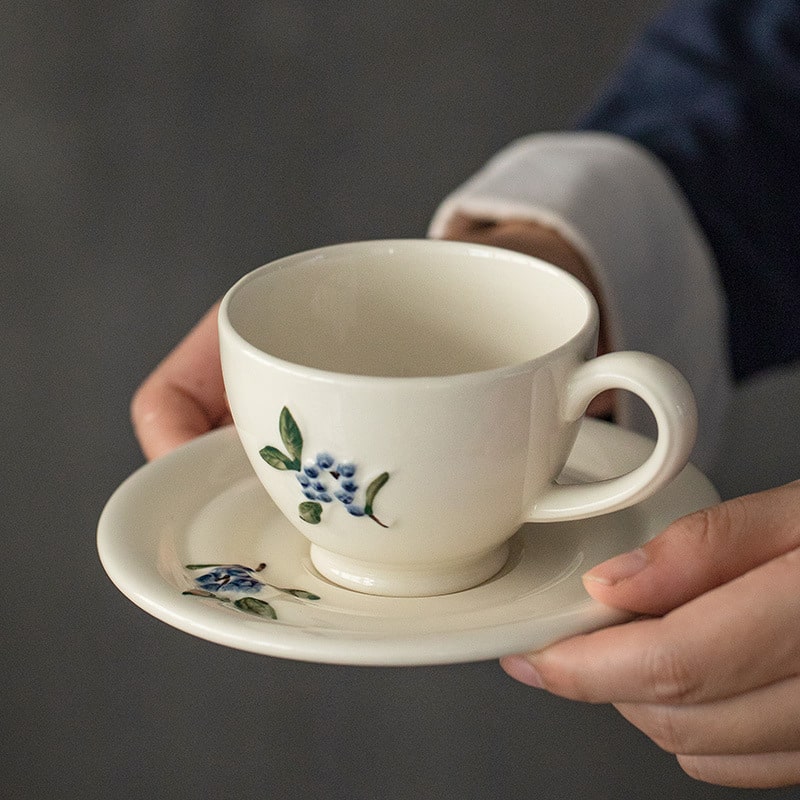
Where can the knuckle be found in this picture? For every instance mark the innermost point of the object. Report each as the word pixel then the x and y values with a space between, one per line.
pixel 733 772
pixel 671 675
pixel 144 401
pixel 666 726
pixel 698 768
pixel 709 526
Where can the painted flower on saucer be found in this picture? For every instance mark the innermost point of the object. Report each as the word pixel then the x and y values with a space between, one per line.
pixel 228 578
pixel 238 579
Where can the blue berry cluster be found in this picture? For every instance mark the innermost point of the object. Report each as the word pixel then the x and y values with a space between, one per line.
pixel 315 475
pixel 324 479
pixel 229 578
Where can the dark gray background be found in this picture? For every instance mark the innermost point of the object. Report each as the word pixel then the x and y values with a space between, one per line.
pixel 150 153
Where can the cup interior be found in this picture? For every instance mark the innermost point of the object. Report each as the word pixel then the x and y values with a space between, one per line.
pixel 408 308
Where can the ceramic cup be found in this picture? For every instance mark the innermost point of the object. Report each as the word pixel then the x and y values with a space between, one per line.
pixel 408 405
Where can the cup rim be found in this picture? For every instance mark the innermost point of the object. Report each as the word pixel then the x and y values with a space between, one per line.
pixel 227 329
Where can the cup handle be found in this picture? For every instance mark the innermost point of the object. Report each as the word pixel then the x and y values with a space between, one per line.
pixel 670 398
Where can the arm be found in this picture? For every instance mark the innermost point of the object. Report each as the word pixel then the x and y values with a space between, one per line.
pixel 622 213
pixel 713 90
pixel 680 185
pixel 711 674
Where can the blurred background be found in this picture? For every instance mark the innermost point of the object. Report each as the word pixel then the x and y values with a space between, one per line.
pixel 150 154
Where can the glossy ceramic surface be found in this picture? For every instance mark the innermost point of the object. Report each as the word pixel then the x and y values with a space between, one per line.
pixel 194 540
pixel 453 377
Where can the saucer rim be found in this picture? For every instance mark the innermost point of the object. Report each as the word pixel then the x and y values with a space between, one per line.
pixel 156 595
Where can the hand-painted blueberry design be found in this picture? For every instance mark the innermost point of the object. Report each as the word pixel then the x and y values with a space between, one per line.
pixel 238 579
pixel 322 479
pixel 228 578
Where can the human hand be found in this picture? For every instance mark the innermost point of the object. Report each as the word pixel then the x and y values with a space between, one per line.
pixel 715 677
pixel 184 396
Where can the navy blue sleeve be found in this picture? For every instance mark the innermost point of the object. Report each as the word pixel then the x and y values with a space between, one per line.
pixel 713 90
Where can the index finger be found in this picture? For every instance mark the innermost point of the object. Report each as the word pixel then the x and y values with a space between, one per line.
pixel 184 396
pixel 733 639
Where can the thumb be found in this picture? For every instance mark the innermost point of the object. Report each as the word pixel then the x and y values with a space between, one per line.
pixel 699 552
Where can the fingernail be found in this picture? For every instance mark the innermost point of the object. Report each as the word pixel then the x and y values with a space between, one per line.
pixel 521 669
pixel 618 569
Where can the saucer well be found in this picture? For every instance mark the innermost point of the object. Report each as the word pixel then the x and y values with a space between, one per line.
pixel 194 540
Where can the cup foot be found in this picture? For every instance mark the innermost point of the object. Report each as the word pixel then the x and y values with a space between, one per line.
pixel 408 581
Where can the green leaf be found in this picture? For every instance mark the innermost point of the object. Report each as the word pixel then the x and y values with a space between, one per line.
pixel 252 605
pixel 310 512
pixel 373 489
pixel 290 435
pixel 204 593
pixel 201 566
pixel 301 593
pixel 275 458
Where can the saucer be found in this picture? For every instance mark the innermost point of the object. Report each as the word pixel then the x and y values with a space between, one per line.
pixel 194 540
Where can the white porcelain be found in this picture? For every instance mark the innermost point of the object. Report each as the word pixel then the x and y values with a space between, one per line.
pixel 202 505
pixel 439 386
